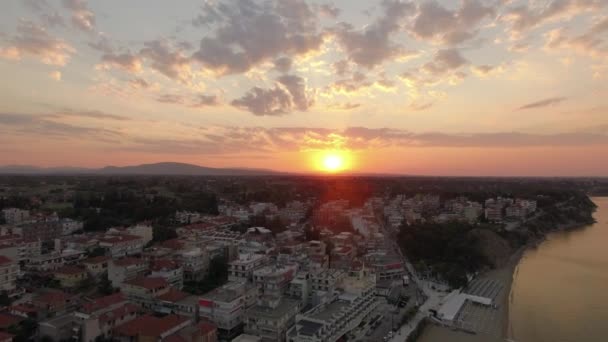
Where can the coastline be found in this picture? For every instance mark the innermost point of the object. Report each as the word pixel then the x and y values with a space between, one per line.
pixel 506 275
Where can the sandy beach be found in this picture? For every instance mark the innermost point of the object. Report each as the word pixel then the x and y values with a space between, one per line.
pixel 495 329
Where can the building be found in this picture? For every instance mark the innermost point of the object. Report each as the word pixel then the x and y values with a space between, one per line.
pixel 126 269
pixel 96 266
pixel 225 307
pixel 150 328
pixel 70 276
pixel 144 291
pixel 170 270
pixel 69 226
pixel 120 245
pixel 177 302
pixel 242 268
pixel 195 263
pixel 273 280
pixel 60 328
pixel 9 270
pixel 329 321
pixel 270 319
pixel 99 317
pixel 46 231
pixel 55 260
pixel 15 215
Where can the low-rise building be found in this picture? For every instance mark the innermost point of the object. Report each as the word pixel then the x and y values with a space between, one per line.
pixel 271 319
pixel 96 266
pixel 99 317
pixel 144 291
pixel 126 269
pixel 15 215
pixel 225 307
pixel 9 269
pixel 170 270
pixel 120 245
pixel 70 276
pixel 242 268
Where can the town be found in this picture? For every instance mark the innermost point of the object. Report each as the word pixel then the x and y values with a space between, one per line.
pixel 216 262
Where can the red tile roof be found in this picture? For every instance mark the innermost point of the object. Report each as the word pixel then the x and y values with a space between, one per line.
pixel 174 295
pixel 96 260
pixel 119 238
pixel 149 283
pixel 128 261
pixel 121 311
pixel 7 320
pixel 175 338
pixel 70 270
pixel 163 264
pixel 149 325
pixel 103 302
pixel 5 336
pixel 4 260
pixel 175 244
pixel 206 327
pixel 52 298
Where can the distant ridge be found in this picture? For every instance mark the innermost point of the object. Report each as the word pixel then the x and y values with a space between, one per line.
pixel 165 168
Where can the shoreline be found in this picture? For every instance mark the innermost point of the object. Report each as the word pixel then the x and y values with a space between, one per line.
pixel 506 275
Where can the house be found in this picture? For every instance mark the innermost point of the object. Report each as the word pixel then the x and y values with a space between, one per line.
pixel 99 317
pixel 9 269
pixel 169 270
pixel 120 245
pixel 145 290
pixel 150 328
pixel 96 266
pixel 52 303
pixel 70 276
pixel 177 302
pixel 126 269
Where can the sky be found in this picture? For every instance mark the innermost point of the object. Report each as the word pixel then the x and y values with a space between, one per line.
pixel 472 87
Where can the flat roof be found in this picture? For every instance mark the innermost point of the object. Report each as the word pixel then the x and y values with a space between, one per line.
pixel 284 307
pixel 328 311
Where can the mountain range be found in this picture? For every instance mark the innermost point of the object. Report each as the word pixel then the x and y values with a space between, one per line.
pixel 166 168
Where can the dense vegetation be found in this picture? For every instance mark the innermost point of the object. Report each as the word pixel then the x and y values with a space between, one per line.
pixel 217 276
pixel 446 250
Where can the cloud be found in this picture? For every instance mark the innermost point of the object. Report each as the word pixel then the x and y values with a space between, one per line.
pixel 199 101
pixel 173 64
pixel 283 64
pixel 439 25
pixel 139 83
pixel 525 17
pixel 82 18
pixel 289 94
pixel 445 60
pixel 246 34
pixel 88 114
pixel 126 61
pixel 591 43
pixel 56 75
pixel 543 103
pixel 345 106
pixel 372 45
pixel 35 41
pixel 44 126
pixel 329 10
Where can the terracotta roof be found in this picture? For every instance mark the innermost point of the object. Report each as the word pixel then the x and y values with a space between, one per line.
pixel 96 260
pixel 175 338
pixel 52 297
pixel 148 282
pixel 121 311
pixel 118 238
pixel 175 244
pixel 103 302
pixel 6 336
pixel 163 264
pixel 206 327
pixel 7 320
pixel 4 260
pixel 128 261
pixel 174 295
pixel 23 308
pixel 149 325
pixel 70 270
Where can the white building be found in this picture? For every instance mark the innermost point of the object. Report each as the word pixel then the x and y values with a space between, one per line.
pixel 15 215
pixel 329 321
pixel 242 268
pixel 9 269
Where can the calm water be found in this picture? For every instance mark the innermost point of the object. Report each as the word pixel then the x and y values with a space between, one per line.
pixel 560 289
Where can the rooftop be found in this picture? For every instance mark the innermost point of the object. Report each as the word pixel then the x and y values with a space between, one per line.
pixel 149 325
pixel 149 283
pixel 285 306
pixel 103 302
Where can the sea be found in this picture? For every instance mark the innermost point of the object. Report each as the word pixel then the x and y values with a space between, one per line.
pixel 560 288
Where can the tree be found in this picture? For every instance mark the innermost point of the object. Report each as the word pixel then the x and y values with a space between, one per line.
pixel 5 300
pixel 163 233
pixel 97 251
pixel 2 219
pixel 105 287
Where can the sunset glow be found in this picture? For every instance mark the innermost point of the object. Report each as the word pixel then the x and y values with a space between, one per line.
pixel 333 161
pixel 468 87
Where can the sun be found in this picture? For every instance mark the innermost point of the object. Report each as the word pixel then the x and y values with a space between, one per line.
pixel 332 161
